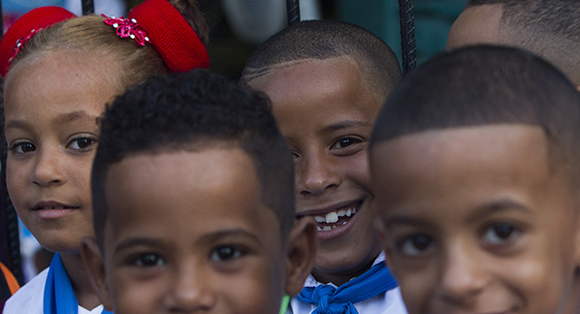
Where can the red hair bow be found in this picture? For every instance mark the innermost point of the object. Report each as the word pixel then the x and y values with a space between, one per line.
pixel 24 28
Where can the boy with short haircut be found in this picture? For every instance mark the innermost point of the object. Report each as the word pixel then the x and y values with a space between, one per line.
pixel 550 29
pixel 475 163
pixel 193 202
pixel 327 81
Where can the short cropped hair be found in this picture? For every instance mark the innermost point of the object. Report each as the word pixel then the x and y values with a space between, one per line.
pixel 324 40
pixel 193 112
pixel 487 85
pixel 549 28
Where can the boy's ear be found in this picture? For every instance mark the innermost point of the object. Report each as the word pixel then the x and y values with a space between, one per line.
pixel 380 228
pixel 300 251
pixel 94 264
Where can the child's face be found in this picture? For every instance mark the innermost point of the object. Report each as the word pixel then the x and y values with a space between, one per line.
pixel 476 220
pixel 326 112
pixel 187 232
pixel 51 111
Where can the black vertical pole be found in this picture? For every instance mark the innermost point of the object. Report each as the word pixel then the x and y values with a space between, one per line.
pixel 1 20
pixel 407 20
pixel 88 7
pixel 293 11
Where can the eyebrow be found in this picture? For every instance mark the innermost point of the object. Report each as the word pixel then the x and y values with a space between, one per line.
pixel 204 239
pixel 490 208
pixel 348 124
pixel 60 119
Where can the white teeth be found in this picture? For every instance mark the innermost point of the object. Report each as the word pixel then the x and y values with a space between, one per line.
pixel 353 211
pixel 341 213
pixel 333 226
pixel 319 219
pixel 331 217
pixel 348 212
pixel 319 228
pixel 326 228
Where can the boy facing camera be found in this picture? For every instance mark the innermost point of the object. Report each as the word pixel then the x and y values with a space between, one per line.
pixel 475 164
pixel 327 81
pixel 193 198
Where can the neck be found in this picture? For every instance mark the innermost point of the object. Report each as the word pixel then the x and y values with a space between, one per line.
pixel 82 286
pixel 340 278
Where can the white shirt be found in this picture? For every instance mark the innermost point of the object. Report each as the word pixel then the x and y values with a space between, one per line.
pixel 29 298
pixel 389 302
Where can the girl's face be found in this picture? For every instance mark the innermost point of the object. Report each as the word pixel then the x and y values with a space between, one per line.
pixel 51 110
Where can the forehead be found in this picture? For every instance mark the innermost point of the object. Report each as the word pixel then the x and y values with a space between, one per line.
pixel 476 25
pixel 468 167
pixel 187 193
pixel 326 91
pixel 58 81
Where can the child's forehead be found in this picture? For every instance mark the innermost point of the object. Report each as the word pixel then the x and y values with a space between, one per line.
pixel 213 182
pixel 465 146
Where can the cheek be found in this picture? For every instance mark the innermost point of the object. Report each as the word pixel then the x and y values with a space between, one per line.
pixel 356 169
pixel 16 176
pixel 259 290
pixel 131 296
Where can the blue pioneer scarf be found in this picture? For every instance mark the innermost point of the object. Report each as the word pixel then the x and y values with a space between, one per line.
pixel 59 297
pixel 331 300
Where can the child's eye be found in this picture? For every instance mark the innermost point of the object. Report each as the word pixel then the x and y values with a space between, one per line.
pixel 82 143
pixel 225 253
pixel 148 260
pixel 500 233
pixel 416 245
pixel 22 148
pixel 345 142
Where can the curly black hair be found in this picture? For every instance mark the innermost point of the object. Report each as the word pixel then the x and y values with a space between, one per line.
pixel 194 111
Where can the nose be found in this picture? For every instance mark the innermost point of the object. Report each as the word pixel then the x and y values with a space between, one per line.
pixel 316 173
pixel 190 291
pixel 461 276
pixel 49 167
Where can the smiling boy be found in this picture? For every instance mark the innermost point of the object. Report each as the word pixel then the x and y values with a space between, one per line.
pixel 327 81
pixel 474 161
pixel 194 211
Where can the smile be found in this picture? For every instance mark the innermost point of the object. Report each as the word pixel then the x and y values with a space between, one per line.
pixel 335 219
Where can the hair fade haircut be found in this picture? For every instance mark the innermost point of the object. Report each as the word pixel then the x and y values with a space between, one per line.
pixel 192 112
pixel 324 40
pixel 487 85
pixel 549 28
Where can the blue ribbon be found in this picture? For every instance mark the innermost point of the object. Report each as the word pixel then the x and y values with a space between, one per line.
pixel 331 300
pixel 59 296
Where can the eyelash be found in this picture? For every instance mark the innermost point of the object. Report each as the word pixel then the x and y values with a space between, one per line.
pixel 15 148
pixel 405 245
pixel 76 140
pixel 511 234
pixel 148 260
pixel 353 141
pixel 497 235
pixel 228 253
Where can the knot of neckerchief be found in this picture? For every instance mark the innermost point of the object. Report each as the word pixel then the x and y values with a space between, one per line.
pixel 59 296
pixel 341 300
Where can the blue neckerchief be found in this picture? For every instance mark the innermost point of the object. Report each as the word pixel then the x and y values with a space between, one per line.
pixel 59 297
pixel 331 300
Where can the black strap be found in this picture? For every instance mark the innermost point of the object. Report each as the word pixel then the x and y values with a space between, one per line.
pixel 88 7
pixel 293 11
pixel 5 292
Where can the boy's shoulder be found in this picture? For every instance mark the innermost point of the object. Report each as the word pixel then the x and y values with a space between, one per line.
pixel 29 298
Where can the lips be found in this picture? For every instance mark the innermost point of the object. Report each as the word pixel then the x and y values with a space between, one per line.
pixel 52 209
pixel 336 220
